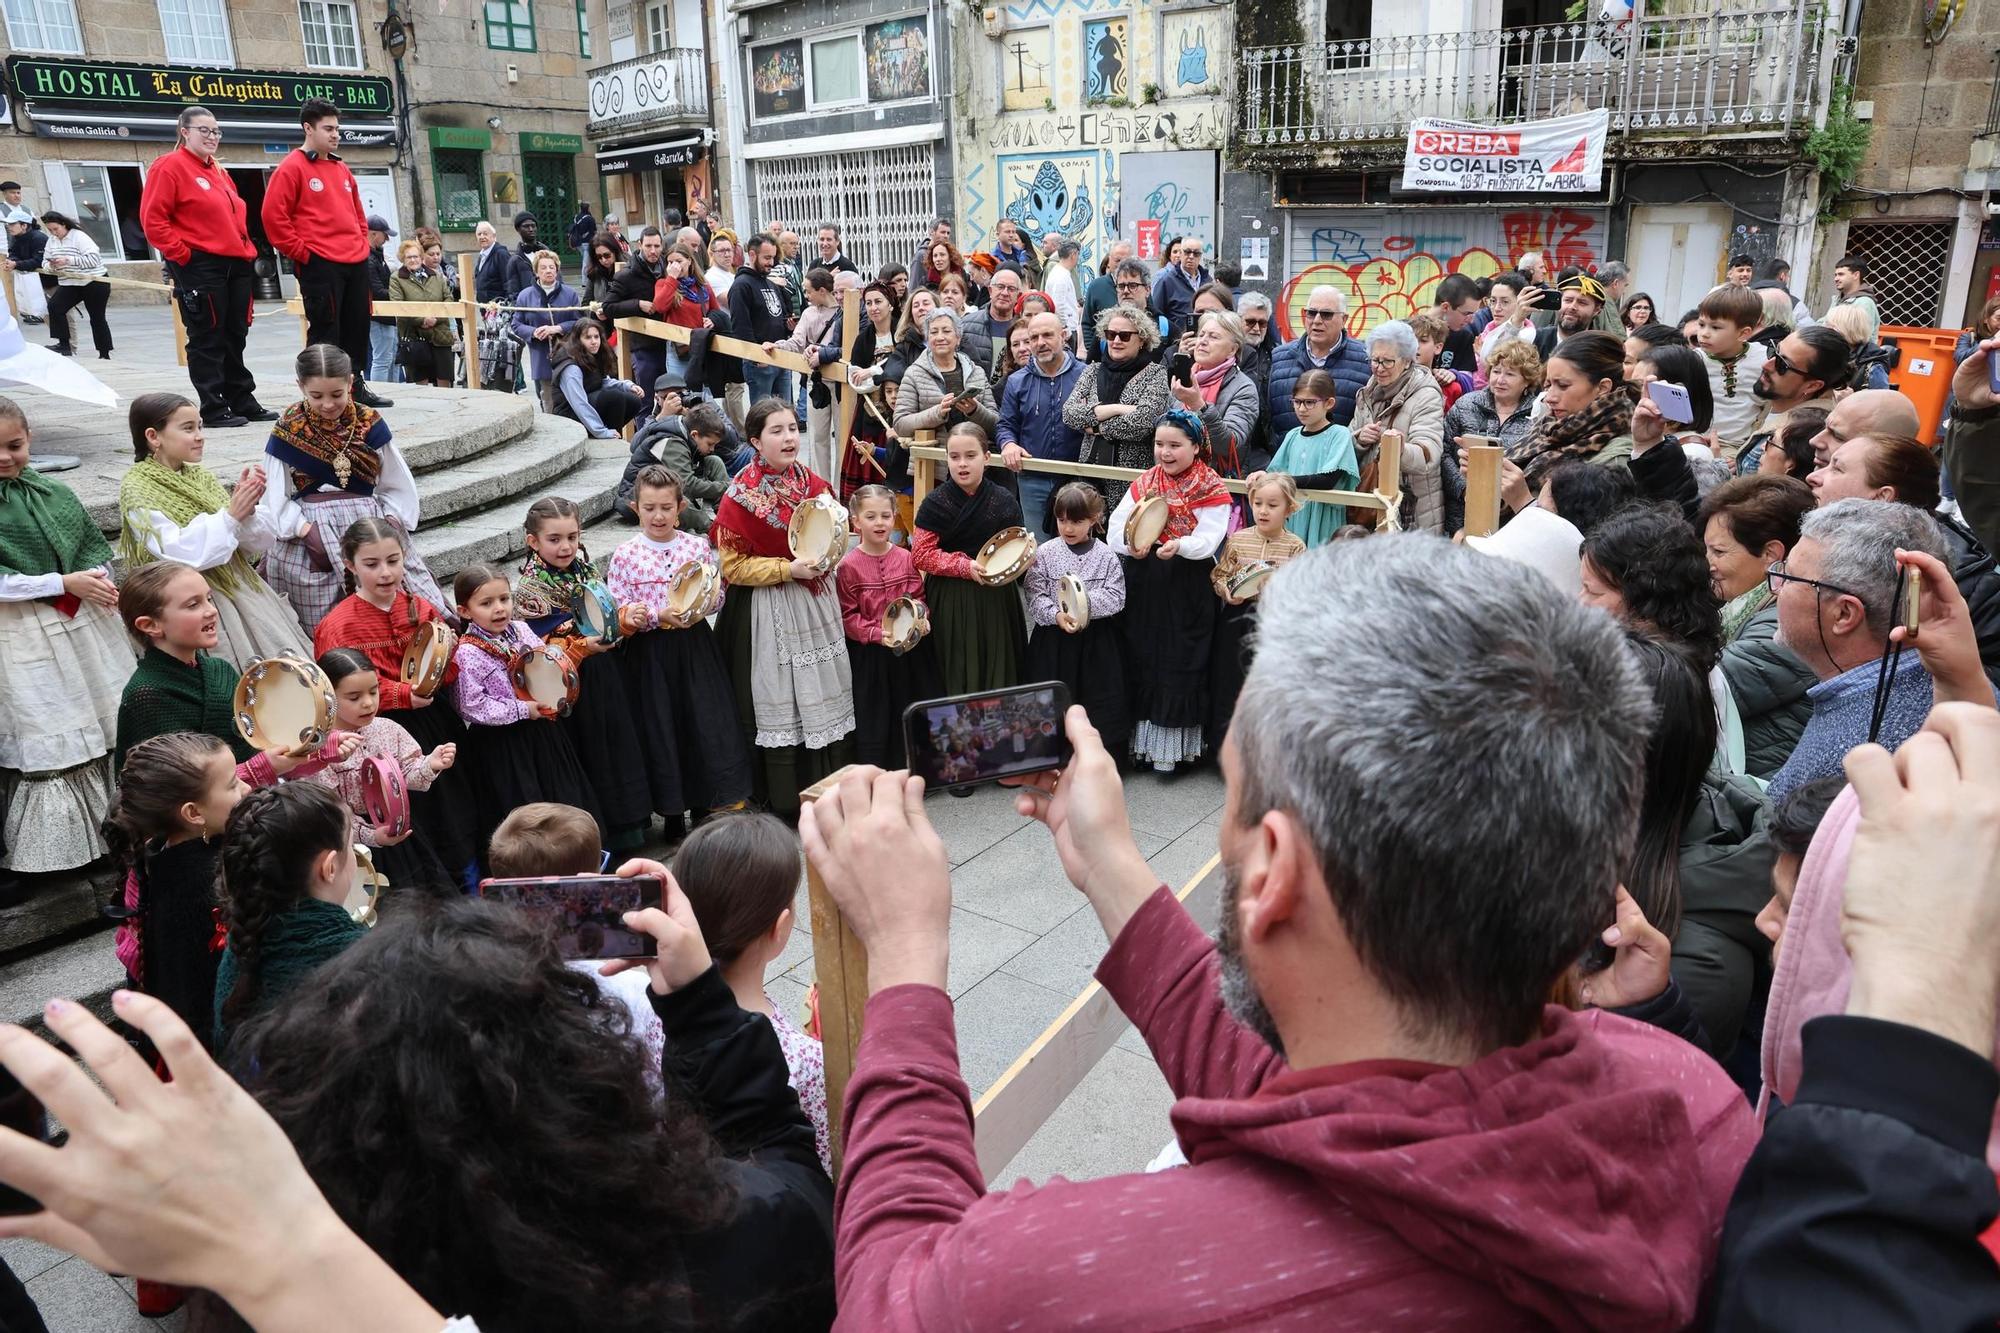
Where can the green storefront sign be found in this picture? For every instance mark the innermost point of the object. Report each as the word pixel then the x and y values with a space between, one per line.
pixel 451 136
pixel 104 85
pixel 536 141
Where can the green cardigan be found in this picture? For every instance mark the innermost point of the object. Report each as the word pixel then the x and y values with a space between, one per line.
pixel 295 943
pixel 167 695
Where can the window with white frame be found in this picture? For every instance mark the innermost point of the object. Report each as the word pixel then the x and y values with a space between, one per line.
pixel 659 27
pixel 333 34
pixel 833 67
pixel 43 25
pixel 197 31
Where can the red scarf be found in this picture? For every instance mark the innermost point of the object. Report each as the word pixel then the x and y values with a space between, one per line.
pixel 1197 488
pixel 755 515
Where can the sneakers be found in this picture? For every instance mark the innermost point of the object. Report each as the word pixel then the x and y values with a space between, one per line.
pixel 367 397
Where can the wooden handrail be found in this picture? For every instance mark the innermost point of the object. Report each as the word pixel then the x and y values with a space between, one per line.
pixel 931 454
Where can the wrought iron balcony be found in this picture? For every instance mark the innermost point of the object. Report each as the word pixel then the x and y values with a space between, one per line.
pixel 1735 69
pixel 664 88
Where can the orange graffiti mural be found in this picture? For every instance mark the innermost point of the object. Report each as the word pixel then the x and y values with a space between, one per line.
pixel 1379 289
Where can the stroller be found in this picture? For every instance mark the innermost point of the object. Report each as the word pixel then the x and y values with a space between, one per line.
pixel 499 352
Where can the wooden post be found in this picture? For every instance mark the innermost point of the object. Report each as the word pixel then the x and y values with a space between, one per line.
pixel 923 471
pixel 840 966
pixel 13 302
pixel 180 327
pixel 1482 485
pixel 468 290
pixel 850 400
pixel 1389 476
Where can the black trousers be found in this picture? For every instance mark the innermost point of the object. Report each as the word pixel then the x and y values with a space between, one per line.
pixel 215 295
pixel 337 302
pixel 93 297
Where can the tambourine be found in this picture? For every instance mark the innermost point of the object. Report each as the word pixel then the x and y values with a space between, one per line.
pixel 362 899
pixel 596 613
pixel 1005 557
pixel 1249 581
pixel 1074 598
pixel 384 795
pixel 903 625
pixel 283 703
pixel 1145 523
pixel 818 532
pixel 428 657
pixel 695 593
pixel 546 676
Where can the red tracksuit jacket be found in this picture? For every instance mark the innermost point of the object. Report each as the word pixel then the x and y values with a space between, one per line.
pixel 188 205
pixel 312 210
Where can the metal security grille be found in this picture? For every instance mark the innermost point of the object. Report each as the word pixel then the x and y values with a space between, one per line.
pixel 1907 265
pixel 882 201
pixel 549 191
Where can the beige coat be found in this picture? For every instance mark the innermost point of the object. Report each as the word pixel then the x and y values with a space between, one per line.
pixel 1420 419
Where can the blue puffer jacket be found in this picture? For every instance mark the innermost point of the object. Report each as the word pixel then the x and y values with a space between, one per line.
pixel 1348 364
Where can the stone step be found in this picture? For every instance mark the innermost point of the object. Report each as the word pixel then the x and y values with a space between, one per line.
pixel 522 466
pixel 84 969
pixel 62 904
pixel 494 534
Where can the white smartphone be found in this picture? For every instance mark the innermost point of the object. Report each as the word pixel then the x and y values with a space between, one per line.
pixel 1672 400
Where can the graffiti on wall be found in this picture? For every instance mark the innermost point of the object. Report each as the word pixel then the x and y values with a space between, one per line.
pixel 1058 194
pixel 1107 59
pixel 1200 127
pixel 1388 262
pixel 1186 63
pixel 1026 58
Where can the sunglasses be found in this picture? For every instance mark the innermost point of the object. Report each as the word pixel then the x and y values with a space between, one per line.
pixel 1784 367
pixel 1119 335
pixel 1322 314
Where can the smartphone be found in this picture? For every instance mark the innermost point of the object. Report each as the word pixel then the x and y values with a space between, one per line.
pixel 1993 370
pixel 589 910
pixel 1673 402
pixel 974 738
pixel 20 1110
pixel 1182 367
pixel 1913 582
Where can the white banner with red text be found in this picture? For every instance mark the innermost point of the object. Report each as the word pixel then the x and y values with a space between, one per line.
pixel 1560 156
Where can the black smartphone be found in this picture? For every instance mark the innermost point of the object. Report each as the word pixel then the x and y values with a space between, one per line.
pixel 1182 367
pixel 589 910
pixel 974 738
pixel 20 1110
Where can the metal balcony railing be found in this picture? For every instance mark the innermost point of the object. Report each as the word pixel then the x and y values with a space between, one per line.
pixel 647 90
pixel 1992 125
pixel 1735 68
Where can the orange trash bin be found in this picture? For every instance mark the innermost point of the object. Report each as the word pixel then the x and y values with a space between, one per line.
pixel 1923 372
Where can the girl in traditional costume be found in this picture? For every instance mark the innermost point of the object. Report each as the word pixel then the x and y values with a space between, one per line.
pixel 1170 609
pixel 1089 658
pixel 173 508
pixel 329 462
pixel 1274 498
pixel 64 661
pixel 781 635
pixel 980 631
pixel 600 723
pixel 684 708
pixel 871 576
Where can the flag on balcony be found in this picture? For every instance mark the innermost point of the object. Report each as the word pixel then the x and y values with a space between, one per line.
pixel 1560 156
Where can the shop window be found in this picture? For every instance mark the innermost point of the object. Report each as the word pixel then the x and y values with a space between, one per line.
pixel 332 33
pixel 43 25
pixel 197 32
pixel 458 177
pixel 510 25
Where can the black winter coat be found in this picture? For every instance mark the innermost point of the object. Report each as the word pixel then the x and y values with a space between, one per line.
pixel 1979 583
pixel 632 284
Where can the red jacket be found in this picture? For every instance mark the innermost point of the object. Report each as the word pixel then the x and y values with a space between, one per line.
pixel 312 210
pixel 1578 1181
pixel 670 307
pixel 188 205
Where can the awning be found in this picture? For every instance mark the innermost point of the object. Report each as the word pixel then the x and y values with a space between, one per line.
pixel 52 124
pixel 632 158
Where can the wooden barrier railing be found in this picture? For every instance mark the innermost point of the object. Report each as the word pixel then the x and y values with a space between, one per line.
pixel 468 310
pixel 1021 1100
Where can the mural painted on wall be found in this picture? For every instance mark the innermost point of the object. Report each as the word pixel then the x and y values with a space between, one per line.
pixel 1388 262
pixel 1187 65
pixel 778 79
pixel 1026 59
pixel 898 52
pixel 1177 190
pixel 1107 59
pixel 1060 193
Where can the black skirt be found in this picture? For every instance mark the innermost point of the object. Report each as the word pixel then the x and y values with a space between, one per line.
pixel 980 634
pixel 448 813
pixel 1230 664
pixel 177 929
pixel 414 870
pixel 683 721
pixel 600 730
pixel 777 774
pixel 1169 622
pixel 1092 663
pixel 885 685
pixel 519 764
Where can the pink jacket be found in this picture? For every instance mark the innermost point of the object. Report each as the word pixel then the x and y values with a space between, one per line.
pixel 1576 1181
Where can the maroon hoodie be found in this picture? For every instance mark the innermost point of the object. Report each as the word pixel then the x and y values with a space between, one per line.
pixel 1577 1181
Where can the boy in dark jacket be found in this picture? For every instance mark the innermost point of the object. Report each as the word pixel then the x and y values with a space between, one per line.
pixel 691 445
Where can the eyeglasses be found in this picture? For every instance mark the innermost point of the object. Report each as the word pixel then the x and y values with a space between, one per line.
pixel 1383 362
pixel 1775 575
pixel 1307 402
pixel 1322 314
pixel 1119 335
pixel 1130 286
pixel 206 131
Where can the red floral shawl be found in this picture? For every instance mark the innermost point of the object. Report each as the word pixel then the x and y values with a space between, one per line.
pixel 755 515
pixel 1197 488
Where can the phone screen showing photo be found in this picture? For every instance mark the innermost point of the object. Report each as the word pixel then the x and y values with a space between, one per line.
pixel 588 911
pixel 977 738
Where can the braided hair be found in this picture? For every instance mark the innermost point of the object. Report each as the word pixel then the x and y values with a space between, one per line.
pixel 268 851
pixel 161 774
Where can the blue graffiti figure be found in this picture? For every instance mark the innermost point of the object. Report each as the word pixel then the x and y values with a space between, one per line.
pixel 1047 208
pixel 1338 245
pixel 1193 69
pixel 1167 202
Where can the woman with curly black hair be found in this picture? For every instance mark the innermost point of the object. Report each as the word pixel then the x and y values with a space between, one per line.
pixel 481 1115
pixel 287 866
pixel 1646 566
